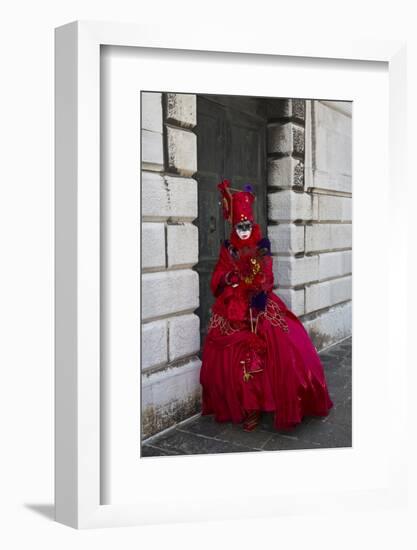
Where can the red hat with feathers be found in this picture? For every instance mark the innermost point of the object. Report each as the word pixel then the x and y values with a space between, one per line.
pixel 237 206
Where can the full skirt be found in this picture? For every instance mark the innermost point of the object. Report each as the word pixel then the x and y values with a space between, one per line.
pixel 291 384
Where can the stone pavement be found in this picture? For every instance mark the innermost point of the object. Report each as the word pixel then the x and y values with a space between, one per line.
pixel 203 435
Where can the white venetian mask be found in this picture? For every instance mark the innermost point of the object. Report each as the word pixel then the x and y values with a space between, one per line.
pixel 244 229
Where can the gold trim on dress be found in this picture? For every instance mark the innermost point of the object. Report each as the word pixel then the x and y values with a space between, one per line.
pixel 274 315
pixel 218 321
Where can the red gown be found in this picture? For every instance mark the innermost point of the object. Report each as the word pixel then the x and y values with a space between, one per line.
pixel 269 365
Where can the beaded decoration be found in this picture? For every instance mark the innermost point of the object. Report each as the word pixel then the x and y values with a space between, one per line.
pixel 256 268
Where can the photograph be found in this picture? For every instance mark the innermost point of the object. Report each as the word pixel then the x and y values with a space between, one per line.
pixel 246 273
pixel 208 275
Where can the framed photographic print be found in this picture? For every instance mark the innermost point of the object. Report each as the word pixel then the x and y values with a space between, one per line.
pixel 216 266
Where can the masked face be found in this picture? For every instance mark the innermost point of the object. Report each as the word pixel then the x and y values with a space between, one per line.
pixel 244 229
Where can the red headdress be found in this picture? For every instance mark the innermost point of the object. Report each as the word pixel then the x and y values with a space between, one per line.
pixel 237 207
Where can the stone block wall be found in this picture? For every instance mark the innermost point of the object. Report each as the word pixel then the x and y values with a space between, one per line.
pixel 170 338
pixel 310 212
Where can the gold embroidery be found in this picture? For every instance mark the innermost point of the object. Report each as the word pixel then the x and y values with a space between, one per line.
pixel 222 323
pixel 274 315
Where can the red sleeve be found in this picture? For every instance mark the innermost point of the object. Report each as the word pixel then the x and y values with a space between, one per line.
pixel 222 267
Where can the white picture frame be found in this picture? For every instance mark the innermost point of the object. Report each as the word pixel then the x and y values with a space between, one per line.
pixel 77 240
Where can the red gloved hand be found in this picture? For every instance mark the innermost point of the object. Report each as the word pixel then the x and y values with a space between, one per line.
pixel 232 278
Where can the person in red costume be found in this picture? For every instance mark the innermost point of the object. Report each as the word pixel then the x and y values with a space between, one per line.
pixel 257 356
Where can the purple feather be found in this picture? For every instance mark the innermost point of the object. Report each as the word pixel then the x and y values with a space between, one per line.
pixel 259 300
pixel 248 187
pixel 266 244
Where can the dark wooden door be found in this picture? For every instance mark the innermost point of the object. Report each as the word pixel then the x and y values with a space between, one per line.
pixel 231 143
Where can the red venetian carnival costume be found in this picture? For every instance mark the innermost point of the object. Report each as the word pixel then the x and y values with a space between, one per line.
pixel 257 355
